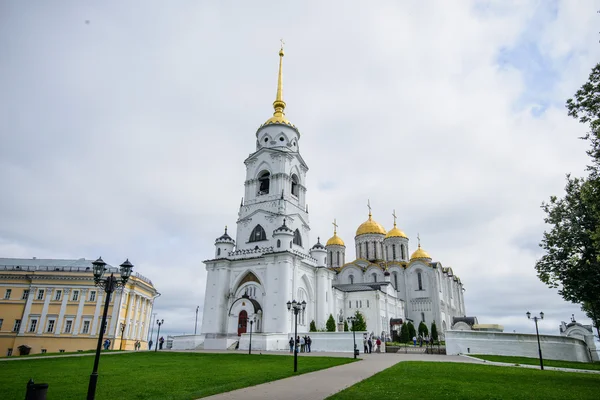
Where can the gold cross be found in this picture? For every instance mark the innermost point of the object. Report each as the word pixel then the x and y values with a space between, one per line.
pixel 369 205
pixel 282 43
pixel 335 225
pixel 419 239
pixel 394 215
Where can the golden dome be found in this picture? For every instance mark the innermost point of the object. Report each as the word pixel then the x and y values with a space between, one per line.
pixel 420 254
pixel 335 239
pixel 370 226
pixel 395 232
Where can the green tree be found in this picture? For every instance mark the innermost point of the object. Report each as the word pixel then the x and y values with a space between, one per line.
pixel 404 336
pixel 411 330
pixel 423 331
pixel 330 324
pixel 313 326
pixel 572 246
pixel 434 333
pixel 346 326
pixel 360 324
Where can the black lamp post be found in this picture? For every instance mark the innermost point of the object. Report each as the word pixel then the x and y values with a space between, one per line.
pixel 159 322
pixel 109 284
pixel 352 319
pixel 122 332
pixel 536 319
pixel 295 307
pixel 196 325
pixel 250 345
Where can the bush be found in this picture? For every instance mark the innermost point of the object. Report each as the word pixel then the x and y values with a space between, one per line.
pixel 434 333
pixel 330 324
pixel 313 326
pixel 423 331
pixel 404 336
pixel 411 330
pixel 360 324
pixel 346 326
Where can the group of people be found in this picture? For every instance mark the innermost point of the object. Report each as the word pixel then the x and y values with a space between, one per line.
pixel 137 345
pixel 371 343
pixel 302 344
pixel 420 339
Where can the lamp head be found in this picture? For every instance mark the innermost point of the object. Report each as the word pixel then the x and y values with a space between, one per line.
pixel 294 303
pixel 289 305
pixel 126 268
pixel 541 315
pixel 99 268
pixel 303 305
pixel 528 315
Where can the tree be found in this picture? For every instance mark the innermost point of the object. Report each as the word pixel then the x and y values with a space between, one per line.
pixel 330 324
pixel 346 326
pixel 434 333
pixel 313 326
pixel 404 336
pixel 411 330
pixel 572 246
pixel 423 331
pixel 359 324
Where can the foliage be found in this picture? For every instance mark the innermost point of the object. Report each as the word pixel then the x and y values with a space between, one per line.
pixel 434 332
pixel 330 326
pixel 572 246
pixel 411 330
pixel 346 326
pixel 404 334
pixel 423 331
pixel 536 361
pixel 360 324
pixel 313 326
pixel 444 380
pixel 173 376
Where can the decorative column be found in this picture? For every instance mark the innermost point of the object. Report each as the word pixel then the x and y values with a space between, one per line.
pixel 61 314
pixel 139 330
pixel 114 320
pixel 32 291
pixel 99 296
pixel 128 321
pixel 136 307
pixel 42 321
pixel 82 294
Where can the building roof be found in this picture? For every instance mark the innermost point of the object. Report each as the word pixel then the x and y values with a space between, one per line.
pixel 361 287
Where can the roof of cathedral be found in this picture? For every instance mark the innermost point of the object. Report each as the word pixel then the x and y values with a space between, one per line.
pixel 225 237
pixel 420 254
pixel 395 232
pixel 335 240
pixel 283 228
pixel 370 226
pixel 318 245
pixel 361 287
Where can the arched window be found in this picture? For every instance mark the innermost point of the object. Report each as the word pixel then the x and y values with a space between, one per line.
pixel 264 181
pixel 395 275
pixel 278 243
pixel 394 252
pixel 367 250
pixel 297 238
pixel 419 280
pixel 219 251
pixel 290 244
pixel 374 275
pixel 258 234
pixel 295 188
pixel 330 258
pixel 423 316
pixel 338 258
pixel 403 253
pixel 351 278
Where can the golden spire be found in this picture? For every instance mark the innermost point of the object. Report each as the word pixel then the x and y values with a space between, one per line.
pixel 279 105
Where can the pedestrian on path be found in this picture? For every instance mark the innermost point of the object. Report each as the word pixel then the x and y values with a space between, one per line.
pixel 370 344
pixel 308 344
pixel 291 344
pixel 366 348
pixel 302 344
pixel 378 343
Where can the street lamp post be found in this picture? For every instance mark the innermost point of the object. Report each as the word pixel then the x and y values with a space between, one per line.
pixel 250 346
pixel 109 284
pixel 536 319
pixel 352 319
pixel 159 322
pixel 122 332
pixel 295 307
pixel 196 325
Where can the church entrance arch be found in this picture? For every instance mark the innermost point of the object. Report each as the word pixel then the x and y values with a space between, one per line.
pixel 242 322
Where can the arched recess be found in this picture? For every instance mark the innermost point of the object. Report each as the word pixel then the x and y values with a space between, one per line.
pixel 258 234
pixel 246 277
pixel 297 238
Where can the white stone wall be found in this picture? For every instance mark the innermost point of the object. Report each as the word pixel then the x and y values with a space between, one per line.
pixel 321 341
pixel 516 344
pixel 187 342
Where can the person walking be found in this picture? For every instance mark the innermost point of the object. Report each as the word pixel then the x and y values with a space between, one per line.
pixel 161 341
pixel 297 344
pixel 378 348
pixel 308 343
pixel 150 344
pixel 291 344
pixel 415 341
pixel 366 348
pixel 302 344
pixel 370 344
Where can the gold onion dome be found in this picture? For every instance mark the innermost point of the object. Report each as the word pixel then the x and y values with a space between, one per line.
pixel 279 105
pixel 370 226
pixel 395 232
pixel 335 240
pixel 420 254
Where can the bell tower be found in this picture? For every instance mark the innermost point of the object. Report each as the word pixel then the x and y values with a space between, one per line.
pixel 275 186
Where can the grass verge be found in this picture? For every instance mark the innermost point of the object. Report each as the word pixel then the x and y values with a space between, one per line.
pixel 429 380
pixel 536 361
pixel 150 375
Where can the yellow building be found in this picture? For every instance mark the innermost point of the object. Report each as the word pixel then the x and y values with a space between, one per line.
pixel 53 306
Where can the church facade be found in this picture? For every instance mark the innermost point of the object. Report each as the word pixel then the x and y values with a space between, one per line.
pixel 271 261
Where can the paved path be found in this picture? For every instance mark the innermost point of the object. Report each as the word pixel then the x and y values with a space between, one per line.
pixel 321 384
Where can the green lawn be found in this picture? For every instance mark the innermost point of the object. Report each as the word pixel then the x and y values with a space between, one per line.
pixel 432 380
pixel 61 354
pixel 536 361
pixel 150 375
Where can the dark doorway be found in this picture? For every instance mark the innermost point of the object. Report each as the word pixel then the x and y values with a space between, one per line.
pixel 242 322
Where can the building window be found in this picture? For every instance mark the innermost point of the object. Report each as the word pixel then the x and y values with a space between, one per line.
pixel 350 304
pixel 419 281
pixel 17 325
pixel 423 316
pixel 219 251
pixel 395 274
pixel 295 185
pixel 86 327
pixel 351 278
pixel 258 234
pixel 68 326
pixel 75 295
pixel 50 326
pixel 360 303
pixel 374 275
pixel 367 303
pixel 290 244
pixel 278 243
pixel 93 295
pixel 33 325
pixel 58 295
pixel 264 182
pixel 40 294
pixel 25 294
pixel 367 251
pixel 402 251
pixel 1 321
pixel 338 258
pixel 394 252
pixel 356 303
pixel 44 351
pixel 297 238
pixel 7 294
pixel 9 353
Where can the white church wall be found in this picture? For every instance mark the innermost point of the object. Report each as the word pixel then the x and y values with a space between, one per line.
pixel 321 341
pixel 187 342
pixel 516 344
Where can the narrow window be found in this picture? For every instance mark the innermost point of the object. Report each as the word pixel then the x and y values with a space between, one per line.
pixel 40 294
pixel 403 252
pixel 423 316
pixel 68 326
pixel 360 303
pixel 367 250
pixel 356 303
pixel 278 243
pixel 351 277
pixel 295 189
pixel 75 295
pixel 394 252
pixel 258 234
pixel 350 304
pixel 374 275
pixel 50 326
pixel 58 295
pixel 17 325
pixel 396 280
pixel 25 294
pixel 419 281
pixel 264 182
pixel 290 244
pixel 219 251
pixel 1 321
pixel 367 303
pixel 338 258
pixel 93 295
pixel 7 294
pixel 86 327
pixel 32 325
pixel 297 238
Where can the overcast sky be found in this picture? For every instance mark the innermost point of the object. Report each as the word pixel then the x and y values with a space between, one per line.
pixel 124 126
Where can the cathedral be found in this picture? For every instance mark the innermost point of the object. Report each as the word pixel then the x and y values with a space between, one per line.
pixel 271 261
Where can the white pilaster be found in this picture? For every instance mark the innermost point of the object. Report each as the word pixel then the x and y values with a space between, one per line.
pixel 61 313
pixel 139 332
pixel 117 296
pixel 99 295
pixel 82 294
pixel 136 308
pixel 25 318
pixel 42 321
